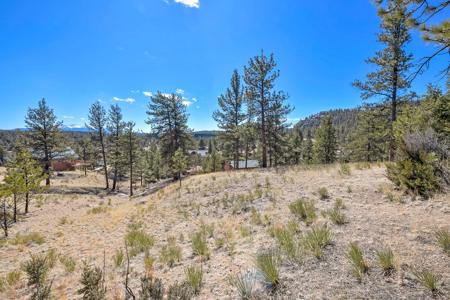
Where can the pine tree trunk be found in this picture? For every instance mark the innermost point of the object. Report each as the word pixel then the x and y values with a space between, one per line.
pixel 15 208
pixel 27 201
pixel 105 167
pixel 246 153
pixel 5 221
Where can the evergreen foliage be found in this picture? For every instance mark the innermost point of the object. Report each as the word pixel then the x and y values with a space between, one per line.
pixel 325 145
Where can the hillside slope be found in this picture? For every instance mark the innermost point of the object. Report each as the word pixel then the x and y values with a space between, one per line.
pixel 238 211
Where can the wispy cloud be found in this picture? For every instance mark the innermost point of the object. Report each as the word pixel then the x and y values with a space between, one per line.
pixel 135 91
pixel 186 102
pixel 194 99
pixel 147 94
pixel 180 91
pixel 69 117
pixel 126 100
pixel 189 3
pixel 100 101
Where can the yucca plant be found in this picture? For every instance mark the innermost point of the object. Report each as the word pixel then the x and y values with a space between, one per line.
pixel 443 239
pixel 194 276
pixel 200 245
pixel 336 216
pixel 288 244
pixel 316 239
pixel 244 283
pixel 386 260
pixel 428 279
pixel 304 209
pixel 359 265
pixel 267 265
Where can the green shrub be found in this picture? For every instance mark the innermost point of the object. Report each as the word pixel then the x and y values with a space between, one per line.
pixel 244 283
pixel 428 279
pixel 37 269
pixel 170 253
pixel 151 288
pixel 28 239
pixel 339 203
pixel 200 245
pixel 52 258
pixel 304 209
pixel 92 283
pixel 69 263
pixel 118 258
pixel 267 265
pixel 356 258
pixel 181 291
pixel 323 193
pixel 443 239
pixel 416 175
pixel 386 260
pixel 316 239
pixel 194 276
pixel 336 216
pixel 138 240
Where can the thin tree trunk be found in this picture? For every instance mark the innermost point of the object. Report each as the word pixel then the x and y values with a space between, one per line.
pixel 15 208
pixel 105 167
pixel 5 221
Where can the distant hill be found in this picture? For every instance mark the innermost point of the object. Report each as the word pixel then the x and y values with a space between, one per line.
pixel 205 134
pixel 344 120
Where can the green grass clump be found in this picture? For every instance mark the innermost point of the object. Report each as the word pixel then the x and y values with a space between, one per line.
pixel 316 239
pixel 386 260
pixel 267 265
pixel 170 253
pixel 98 210
pixel 443 239
pixel 336 216
pixel 323 193
pixel 118 258
pixel 359 265
pixel 304 209
pixel 68 262
pixel 244 283
pixel 28 239
pixel 288 244
pixel 138 240
pixel 428 279
pixel 194 276
pixel 200 245
pixel 345 170
pixel 339 203
pixel 13 277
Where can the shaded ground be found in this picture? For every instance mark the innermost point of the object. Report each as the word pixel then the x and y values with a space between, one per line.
pixel 242 206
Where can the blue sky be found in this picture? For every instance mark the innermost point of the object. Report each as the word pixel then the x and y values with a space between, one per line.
pixel 74 53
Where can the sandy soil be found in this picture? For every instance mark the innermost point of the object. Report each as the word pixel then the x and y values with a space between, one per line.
pixel 377 215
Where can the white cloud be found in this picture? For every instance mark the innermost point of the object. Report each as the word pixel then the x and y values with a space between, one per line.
pixel 68 117
pixel 147 94
pixel 100 101
pixel 180 91
pixel 194 99
pixel 135 91
pixel 74 126
pixel 186 103
pixel 126 100
pixel 189 3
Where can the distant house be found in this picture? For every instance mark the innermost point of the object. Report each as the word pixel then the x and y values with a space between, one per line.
pixel 251 164
pixel 201 153
pixel 64 160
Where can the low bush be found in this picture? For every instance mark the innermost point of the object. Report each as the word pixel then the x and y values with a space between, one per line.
pixel 151 288
pixel 200 245
pixel 171 252
pixel 69 263
pixel 28 239
pixel 37 269
pixel 323 193
pixel 181 291
pixel 336 216
pixel 92 283
pixel 138 240
pixel 13 277
pixel 288 244
pixel 386 260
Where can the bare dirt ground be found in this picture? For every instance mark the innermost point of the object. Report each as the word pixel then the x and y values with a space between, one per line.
pixel 242 207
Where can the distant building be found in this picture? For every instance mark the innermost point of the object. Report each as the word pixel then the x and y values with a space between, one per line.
pixel 251 164
pixel 201 153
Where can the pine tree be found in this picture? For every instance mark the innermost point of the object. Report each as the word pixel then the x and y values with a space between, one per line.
pixel 179 163
pixel 370 135
pixel 295 144
pixel 44 134
pixel 168 120
pixel 325 145
pixel 230 116
pixel 85 151
pixel 308 149
pixel 115 129
pixel 201 144
pixel 130 142
pixel 6 219
pixel 31 173
pixel 97 122
pixel 389 81
pixel 14 184
pixel 2 156
pixel 260 76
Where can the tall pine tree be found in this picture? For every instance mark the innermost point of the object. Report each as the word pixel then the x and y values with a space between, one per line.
pixel 44 134
pixel 115 128
pixel 389 81
pixel 325 145
pixel 97 122
pixel 231 115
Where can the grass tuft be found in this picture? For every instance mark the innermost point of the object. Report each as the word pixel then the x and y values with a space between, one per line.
pixel 428 279
pixel 170 253
pixel 138 240
pixel 267 265
pixel 323 193
pixel 386 260
pixel 28 239
pixel 316 239
pixel 359 265
pixel 336 216
pixel 443 239
pixel 194 277
pixel 244 283
pixel 200 245
pixel 304 209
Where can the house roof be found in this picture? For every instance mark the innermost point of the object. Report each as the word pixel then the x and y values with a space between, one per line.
pixel 252 163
